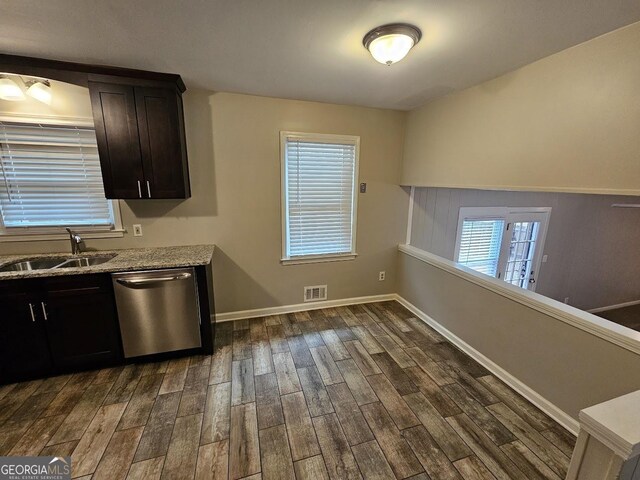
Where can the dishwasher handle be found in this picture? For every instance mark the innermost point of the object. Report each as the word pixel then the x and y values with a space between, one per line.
pixel 138 282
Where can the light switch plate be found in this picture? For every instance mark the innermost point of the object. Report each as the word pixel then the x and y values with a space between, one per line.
pixel 137 230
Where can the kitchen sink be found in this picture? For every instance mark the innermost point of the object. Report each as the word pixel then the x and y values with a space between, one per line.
pixel 85 261
pixel 34 264
pixel 45 263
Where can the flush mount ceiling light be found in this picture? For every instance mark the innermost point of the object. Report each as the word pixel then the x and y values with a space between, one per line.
pixel 10 90
pixel 389 44
pixel 40 89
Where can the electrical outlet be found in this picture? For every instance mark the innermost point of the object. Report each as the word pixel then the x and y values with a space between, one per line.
pixel 545 258
pixel 566 300
pixel 381 276
pixel 137 230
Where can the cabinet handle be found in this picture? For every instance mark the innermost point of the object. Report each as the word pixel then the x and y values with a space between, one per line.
pixel 139 189
pixel 148 189
pixel 33 316
pixel 44 310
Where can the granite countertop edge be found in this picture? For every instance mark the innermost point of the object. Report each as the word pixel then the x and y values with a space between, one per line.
pixel 125 260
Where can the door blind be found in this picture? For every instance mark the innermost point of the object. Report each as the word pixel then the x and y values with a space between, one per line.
pixel 319 182
pixel 50 176
pixel 480 243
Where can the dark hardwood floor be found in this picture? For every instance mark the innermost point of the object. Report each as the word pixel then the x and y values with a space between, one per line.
pixel 365 391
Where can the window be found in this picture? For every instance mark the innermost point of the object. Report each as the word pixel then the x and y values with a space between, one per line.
pixel 479 244
pixel 50 178
pixel 319 175
pixel 505 243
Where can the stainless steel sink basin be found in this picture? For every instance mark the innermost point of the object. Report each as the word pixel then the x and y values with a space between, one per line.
pixel 64 262
pixel 85 261
pixel 34 264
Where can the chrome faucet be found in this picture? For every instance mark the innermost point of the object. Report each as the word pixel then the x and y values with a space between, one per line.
pixel 75 240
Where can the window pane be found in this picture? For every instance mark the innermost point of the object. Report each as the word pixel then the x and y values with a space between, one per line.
pixel 50 177
pixel 319 180
pixel 480 243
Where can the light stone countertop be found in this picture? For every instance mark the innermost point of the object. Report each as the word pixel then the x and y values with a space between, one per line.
pixel 125 260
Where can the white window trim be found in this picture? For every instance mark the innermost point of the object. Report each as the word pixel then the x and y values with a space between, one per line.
pixel 503 213
pixel 59 233
pixel 477 213
pixel 329 257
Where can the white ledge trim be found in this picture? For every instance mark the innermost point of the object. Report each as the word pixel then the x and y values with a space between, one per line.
pixel 614 333
pixel 530 188
pixel 616 424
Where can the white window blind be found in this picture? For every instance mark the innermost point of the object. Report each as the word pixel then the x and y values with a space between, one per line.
pixel 480 242
pixel 50 177
pixel 319 183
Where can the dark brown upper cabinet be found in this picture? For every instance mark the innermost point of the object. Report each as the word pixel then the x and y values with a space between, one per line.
pixel 139 121
pixel 140 133
pixel 162 142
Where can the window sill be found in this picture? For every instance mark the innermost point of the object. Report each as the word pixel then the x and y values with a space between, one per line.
pixel 33 237
pixel 318 259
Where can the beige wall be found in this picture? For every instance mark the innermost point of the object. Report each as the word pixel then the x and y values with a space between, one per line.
pixel 233 144
pixel 568 122
pixel 591 247
pixel 567 366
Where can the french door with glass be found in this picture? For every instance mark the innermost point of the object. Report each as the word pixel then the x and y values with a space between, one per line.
pixel 505 243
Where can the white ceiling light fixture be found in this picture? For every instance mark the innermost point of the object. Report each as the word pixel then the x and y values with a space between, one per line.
pixel 389 44
pixel 40 89
pixel 10 90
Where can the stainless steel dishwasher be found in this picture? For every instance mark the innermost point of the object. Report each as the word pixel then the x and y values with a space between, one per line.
pixel 158 310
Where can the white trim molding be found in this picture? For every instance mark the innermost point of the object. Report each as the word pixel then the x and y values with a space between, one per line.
pixel 525 188
pixel 412 201
pixel 617 334
pixel 299 307
pixel 563 418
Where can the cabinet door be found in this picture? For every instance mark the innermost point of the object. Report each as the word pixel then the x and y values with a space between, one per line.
pixel 162 143
pixel 24 351
pixel 114 116
pixel 81 322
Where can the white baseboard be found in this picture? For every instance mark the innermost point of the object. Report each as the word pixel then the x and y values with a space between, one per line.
pixel 613 307
pixel 538 400
pixel 299 307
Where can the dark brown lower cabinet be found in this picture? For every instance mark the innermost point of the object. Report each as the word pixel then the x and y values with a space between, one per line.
pixel 24 350
pixel 57 324
pixel 82 324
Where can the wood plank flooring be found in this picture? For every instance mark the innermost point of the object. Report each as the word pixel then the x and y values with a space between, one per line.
pixel 365 391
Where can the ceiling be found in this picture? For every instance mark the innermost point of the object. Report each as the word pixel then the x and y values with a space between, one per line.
pixel 309 49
